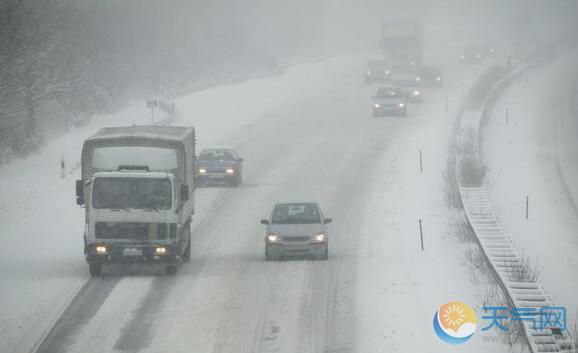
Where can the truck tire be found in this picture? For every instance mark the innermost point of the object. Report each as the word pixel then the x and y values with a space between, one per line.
pixel 187 254
pixel 171 269
pixel 95 268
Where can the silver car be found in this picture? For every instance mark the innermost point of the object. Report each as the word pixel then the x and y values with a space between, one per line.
pixel 296 229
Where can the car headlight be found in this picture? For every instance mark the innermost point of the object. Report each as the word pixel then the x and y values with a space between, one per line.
pixel 202 171
pixel 319 238
pixel 101 249
pixel 477 56
pixel 376 105
pixel 418 79
pixel 273 238
pixel 230 171
pixel 462 57
pixel 387 72
pixel 160 250
pixel 438 78
pixel 401 105
pixel 368 72
pixel 416 93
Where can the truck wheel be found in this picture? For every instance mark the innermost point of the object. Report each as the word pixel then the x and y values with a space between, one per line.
pixel 95 268
pixel 171 269
pixel 187 254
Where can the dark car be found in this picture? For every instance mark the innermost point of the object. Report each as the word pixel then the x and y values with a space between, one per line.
pixel 219 165
pixel 470 55
pixel 377 71
pixel 389 101
pixel 296 229
pixel 431 77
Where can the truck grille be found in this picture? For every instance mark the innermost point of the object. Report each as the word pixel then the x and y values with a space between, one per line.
pixel 134 231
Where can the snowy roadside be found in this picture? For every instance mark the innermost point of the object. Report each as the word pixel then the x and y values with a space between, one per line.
pixel 42 226
pixel 526 154
pixel 398 295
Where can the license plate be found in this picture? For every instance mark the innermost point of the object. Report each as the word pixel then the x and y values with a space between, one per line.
pixel 132 252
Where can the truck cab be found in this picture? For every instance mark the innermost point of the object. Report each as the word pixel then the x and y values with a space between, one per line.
pixel 137 189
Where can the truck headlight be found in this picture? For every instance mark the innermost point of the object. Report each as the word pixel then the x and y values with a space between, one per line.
pixel 319 238
pixel 230 171
pixel 387 72
pixel 401 105
pixel 202 171
pixel 438 78
pixel 416 93
pixel 418 79
pixel 160 250
pixel 376 105
pixel 273 238
pixel 368 73
pixel 101 249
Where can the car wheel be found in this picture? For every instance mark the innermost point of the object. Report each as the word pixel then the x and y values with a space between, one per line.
pixel 95 268
pixel 324 255
pixel 269 256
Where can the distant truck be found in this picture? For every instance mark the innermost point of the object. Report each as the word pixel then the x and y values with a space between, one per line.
pixel 137 188
pixel 401 43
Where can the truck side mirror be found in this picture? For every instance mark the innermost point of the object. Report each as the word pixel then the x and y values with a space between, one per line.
pixel 184 193
pixel 327 220
pixel 240 159
pixel 79 192
pixel 264 222
pixel 79 188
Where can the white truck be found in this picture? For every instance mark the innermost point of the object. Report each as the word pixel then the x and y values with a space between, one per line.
pixel 137 189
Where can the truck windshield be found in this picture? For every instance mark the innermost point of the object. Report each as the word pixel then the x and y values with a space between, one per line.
pixel 132 193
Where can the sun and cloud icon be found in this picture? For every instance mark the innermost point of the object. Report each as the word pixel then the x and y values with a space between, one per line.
pixel 455 322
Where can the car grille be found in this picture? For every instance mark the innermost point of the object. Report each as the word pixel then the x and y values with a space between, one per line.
pixel 135 231
pixel 296 239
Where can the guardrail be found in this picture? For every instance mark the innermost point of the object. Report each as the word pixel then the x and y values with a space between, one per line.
pixel 523 292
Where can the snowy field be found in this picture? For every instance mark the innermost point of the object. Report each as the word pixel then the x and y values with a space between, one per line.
pixel 306 134
pixel 534 154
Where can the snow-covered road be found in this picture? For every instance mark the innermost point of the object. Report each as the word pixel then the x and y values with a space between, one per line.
pixel 305 135
pixel 535 154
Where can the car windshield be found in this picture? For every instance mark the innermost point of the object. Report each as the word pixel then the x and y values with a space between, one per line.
pixel 389 92
pixel 297 213
pixel 217 155
pixel 132 193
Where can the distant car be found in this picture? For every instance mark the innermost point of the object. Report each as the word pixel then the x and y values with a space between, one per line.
pixel 430 77
pixel 377 71
pixel 219 165
pixel 296 229
pixel 389 100
pixel 486 49
pixel 470 55
pixel 411 87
